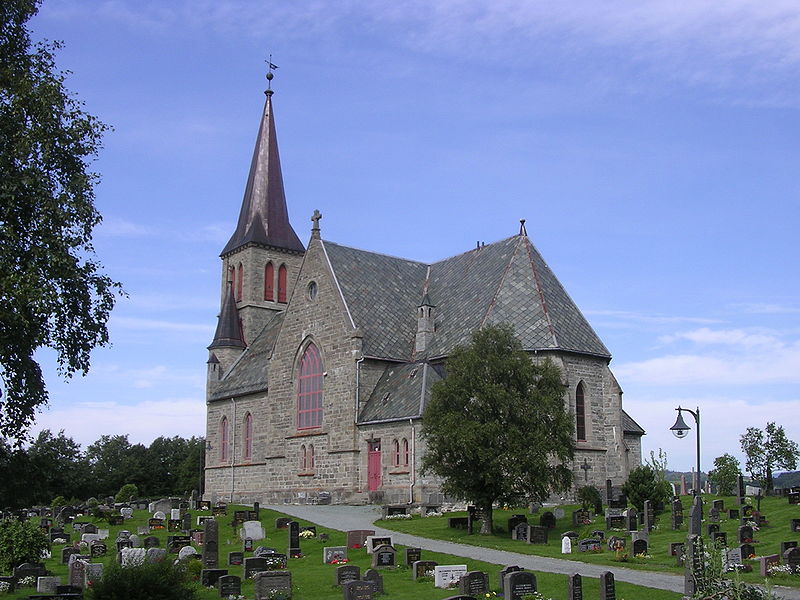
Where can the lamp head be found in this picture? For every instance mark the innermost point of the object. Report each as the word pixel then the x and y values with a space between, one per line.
pixel 680 430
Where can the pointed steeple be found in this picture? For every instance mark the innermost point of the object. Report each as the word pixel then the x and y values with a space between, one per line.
pixel 264 218
pixel 229 330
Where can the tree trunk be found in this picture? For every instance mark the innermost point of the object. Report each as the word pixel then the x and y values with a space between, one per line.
pixel 486 520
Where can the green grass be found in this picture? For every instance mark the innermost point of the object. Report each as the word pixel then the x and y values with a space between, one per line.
pixel 777 510
pixel 314 580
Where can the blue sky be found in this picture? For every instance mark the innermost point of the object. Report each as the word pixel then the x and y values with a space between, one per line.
pixel 651 146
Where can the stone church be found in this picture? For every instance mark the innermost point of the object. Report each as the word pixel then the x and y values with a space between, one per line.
pixel 324 356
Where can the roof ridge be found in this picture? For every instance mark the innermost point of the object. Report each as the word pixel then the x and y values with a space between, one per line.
pixel 411 260
pixel 540 291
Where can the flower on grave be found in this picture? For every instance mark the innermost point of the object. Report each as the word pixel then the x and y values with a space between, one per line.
pixel 340 561
pixel 307 534
pixel 4 587
pixel 59 541
pixel 779 571
pixel 355 546
pixel 396 517
pixel 297 555
pixel 28 581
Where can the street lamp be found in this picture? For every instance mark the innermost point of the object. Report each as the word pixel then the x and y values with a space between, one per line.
pixel 680 430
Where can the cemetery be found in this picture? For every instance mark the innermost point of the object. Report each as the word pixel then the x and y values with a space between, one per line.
pixel 286 559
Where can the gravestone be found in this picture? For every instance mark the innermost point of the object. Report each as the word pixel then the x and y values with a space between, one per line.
pixel 765 563
pixel 209 577
pixel 358 590
pixel 608 590
pixel 648 516
pixel 639 547
pixel 589 545
pixel 266 583
pixel 252 530
pixel 131 557
pixel 422 568
pixel 253 565
pixel 376 578
pixel 446 575
pixel 745 534
pixel 47 585
pixel 519 584
pixel 615 543
pixel 235 558
pixel 599 534
pixel 474 583
pixel 89 528
pixel 155 555
pixel 615 522
pixel 210 544
pixel 229 585
pixel 537 534
pixel 695 517
pixel 187 552
pixel 98 549
pixel 248 545
pixel 631 519
pixel 786 545
pixel 176 542
pixel 792 559
pixel 520 532
pixel 719 539
pixel 581 517
pixel 516 520
pixel 155 523
pixel 566 545
pixel 264 551
pixel 458 522
pixel 126 512
pixel 694 564
pixel 548 520
pixel 66 552
pixel 151 541
pixel 677 514
pixel 282 522
pixel 77 571
pixel 373 541
pixel 160 515
pixel 793 497
pixel 334 553
pixel 345 573
pixel 712 528
pixel 575 587
pixel 413 555
pixel 174 524
pixel 733 559
pixel 794 525
pixel 713 515
pixel 748 550
pixel 733 513
pixel 92 574
pixel 677 548
pixel 384 558
pixel 356 538
pixel 294 539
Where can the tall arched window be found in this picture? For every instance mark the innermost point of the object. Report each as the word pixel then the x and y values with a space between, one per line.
pixel 580 413
pixel 248 436
pixel 309 389
pixel 269 282
pixel 223 440
pixel 239 282
pixel 405 452
pixel 311 457
pixel 396 453
pixel 303 458
pixel 231 279
pixel 282 283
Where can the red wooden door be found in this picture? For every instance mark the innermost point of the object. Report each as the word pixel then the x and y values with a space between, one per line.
pixel 374 466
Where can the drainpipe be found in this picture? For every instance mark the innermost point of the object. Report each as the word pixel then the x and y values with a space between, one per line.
pixel 413 462
pixel 233 445
pixel 358 387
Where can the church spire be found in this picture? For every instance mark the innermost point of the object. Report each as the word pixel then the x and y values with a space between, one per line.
pixel 229 329
pixel 263 218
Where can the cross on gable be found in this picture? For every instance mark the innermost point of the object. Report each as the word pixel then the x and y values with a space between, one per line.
pixel 315 219
pixel 585 466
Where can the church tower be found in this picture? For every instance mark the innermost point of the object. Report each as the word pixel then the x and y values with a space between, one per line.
pixel 261 260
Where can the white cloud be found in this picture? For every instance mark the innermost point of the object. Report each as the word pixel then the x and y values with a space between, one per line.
pixel 622 318
pixel 766 308
pixel 144 421
pixel 139 324
pixel 118 227
pixel 732 337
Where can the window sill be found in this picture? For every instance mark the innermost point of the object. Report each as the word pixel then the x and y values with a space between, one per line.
pixel 306 433
pixel 305 474
pixel 400 471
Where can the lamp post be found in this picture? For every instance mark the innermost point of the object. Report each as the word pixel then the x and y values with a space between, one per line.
pixel 681 430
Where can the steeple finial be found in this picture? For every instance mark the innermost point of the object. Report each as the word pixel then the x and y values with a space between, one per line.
pixel 270 75
pixel 522 230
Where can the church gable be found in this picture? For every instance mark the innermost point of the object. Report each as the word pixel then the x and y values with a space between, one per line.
pixel 401 393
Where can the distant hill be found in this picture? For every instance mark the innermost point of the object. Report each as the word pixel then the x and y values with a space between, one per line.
pixel 787 479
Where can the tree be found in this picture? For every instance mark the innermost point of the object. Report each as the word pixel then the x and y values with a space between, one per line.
pixel 725 474
pixel 495 428
pixel 20 541
pixel 643 484
pixel 768 450
pixel 52 290
pixel 115 462
pixel 57 467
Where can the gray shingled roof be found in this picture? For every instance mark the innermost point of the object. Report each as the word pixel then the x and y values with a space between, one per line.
pixel 250 373
pixel 630 426
pixel 382 293
pixel 401 392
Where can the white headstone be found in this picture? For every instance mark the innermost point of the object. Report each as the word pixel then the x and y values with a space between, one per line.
pixel 382 539
pixel 252 530
pixel 566 545
pixel 126 512
pixel 92 573
pixel 47 585
pixel 185 552
pixel 446 575
pixel 135 540
pixel 558 513
pixel 90 537
pixel 103 533
pixel 175 514
pixel 132 557
pixel 159 515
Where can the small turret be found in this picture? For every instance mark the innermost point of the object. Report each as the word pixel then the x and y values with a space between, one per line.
pixel 425 324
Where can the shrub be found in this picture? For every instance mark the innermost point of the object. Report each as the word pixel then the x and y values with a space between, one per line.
pixel 57 503
pixel 643 484
pixel 127 492
pixel 20 542
pixel 154 581
pixel 589 497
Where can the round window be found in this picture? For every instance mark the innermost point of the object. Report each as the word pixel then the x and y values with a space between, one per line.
pixel 312 290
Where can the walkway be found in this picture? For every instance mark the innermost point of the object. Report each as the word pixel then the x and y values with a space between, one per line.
pixel 343 518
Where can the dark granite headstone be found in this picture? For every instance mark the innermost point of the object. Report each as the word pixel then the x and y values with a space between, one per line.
pixel 421 568
pixel 209 577
pixel 376 578
pixel 581 517
pixel 631 519
pixel 253 565
pixel 719 539
pixel 548 520
pixel 589 545
pixel 537 534
pixel 639 547
pixel 345 573
pixel 357 537
pixel 516 520
pixel 748 550
pixel 574 587
pixel 210 544
pixel 696 517
pixel 733 513
pixel 294 538
pixel 518 584
pixel 384 557
pixel 786 545
pixel 235 558
pixel 504 572
pixel 791 557
pixel 413 555
pixel 282 522
pixel 745 534
pixel 268 582
pixel 694 564
pixel 151 541
pixel 359 590
pixel 608 590
pixel 474 583
pixel 229 585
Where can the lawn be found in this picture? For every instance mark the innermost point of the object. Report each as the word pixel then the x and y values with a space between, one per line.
pixel 314 580
pixel 777 510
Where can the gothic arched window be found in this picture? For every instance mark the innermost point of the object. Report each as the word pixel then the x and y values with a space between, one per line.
pixel 239 282
pixel 303 458
pixel 223 440
pixel 311 457
pixel 282 284
pixel 248 436
pixel 580 413
pixel 269 282
pixel 309 389
pixel 396 453
pixel 405 452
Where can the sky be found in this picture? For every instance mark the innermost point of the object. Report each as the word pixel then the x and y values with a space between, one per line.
pixel 652 147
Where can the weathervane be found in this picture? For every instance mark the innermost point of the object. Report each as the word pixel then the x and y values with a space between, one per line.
pixel 270 75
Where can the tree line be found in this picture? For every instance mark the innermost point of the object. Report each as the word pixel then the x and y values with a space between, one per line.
pixel 54 465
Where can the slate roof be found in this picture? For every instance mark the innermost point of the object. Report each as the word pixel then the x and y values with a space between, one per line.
pixel 382 293
pixel 250 373
pixel 630 426
pixel 507 281
pixel 401 392
pixel 229 331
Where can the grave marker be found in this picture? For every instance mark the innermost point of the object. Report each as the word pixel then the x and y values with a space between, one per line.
pixel 519 584
pixel 358 590
pixel 422 568
pixel 474 583
pixel 445 575
pixel 229 585
pixel 345 573
pixel 608 590
pixel 575 587
pixel 269 582
pixel 376 578
pixel 384 558
pixel 334 553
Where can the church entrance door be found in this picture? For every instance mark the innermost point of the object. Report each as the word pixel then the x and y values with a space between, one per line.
pixel 374 465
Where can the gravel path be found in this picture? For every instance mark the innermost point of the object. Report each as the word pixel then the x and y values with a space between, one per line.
pixel 343 517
